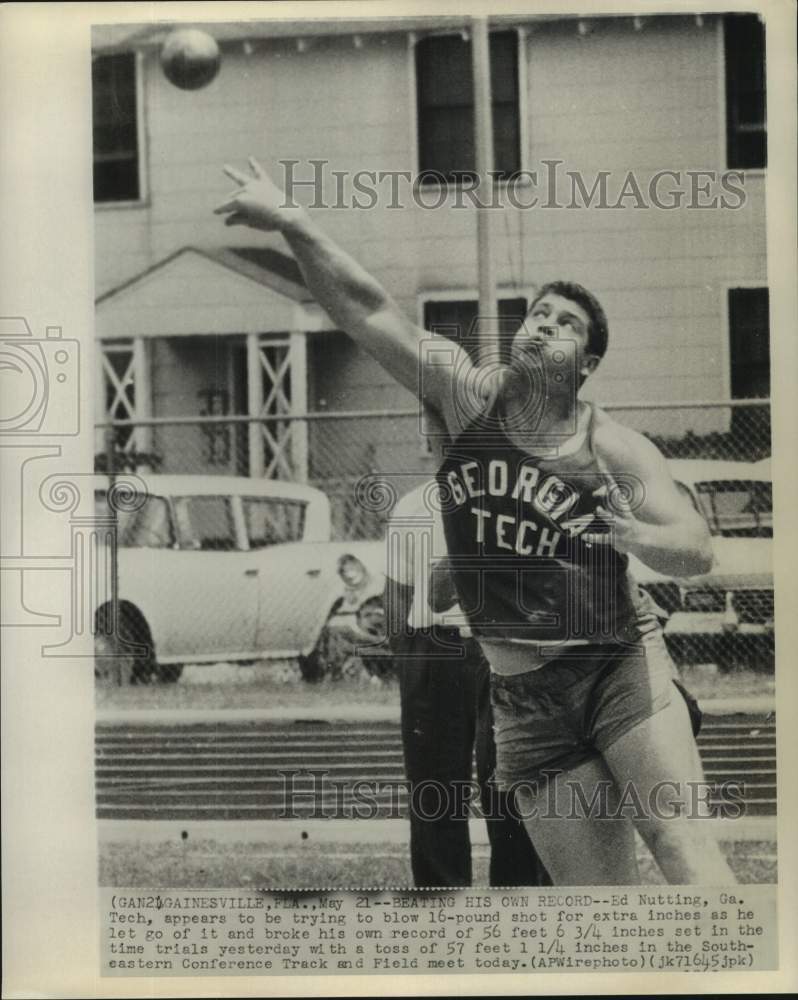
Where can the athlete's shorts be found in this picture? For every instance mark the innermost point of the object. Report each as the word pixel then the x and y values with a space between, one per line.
pixel 570 710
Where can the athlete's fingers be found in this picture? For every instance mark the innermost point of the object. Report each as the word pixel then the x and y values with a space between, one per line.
pixel 596 538
pixel 235 175
pixel 607 513
pixel 256 168
pixel 236 219
pixel 230 204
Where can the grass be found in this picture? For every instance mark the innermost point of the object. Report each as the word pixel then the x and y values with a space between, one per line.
pixel 226 686
pixel 705 683
pixel 210 864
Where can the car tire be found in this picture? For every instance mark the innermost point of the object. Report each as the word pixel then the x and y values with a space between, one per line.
pixel 312 667
pixel 169 673
pixel 115 667
pixel 111 668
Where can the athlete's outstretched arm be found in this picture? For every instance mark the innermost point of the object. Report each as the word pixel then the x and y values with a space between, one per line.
pixel 354 300
pixel 663 530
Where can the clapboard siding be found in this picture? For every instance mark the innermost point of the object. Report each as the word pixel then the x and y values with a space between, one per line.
pixel 616 100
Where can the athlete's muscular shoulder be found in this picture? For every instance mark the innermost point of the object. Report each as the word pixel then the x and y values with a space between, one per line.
pixel 631 459
pixel 623 450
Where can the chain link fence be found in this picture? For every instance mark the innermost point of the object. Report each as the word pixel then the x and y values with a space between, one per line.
pixel 724 621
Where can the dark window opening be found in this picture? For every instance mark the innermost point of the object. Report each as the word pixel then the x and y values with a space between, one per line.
pixel 458 321
pixel 749 343
pixel 445 94
pixel 749 351
pixel 746 127
pixel 115 128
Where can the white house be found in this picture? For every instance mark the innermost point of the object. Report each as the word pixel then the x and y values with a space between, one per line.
pixel 193 318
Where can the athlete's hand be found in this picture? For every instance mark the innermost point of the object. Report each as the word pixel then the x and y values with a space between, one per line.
pixel 257 202
pixel 624 529
pixel 442 595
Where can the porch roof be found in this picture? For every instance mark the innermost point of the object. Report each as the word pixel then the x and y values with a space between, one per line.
pixel 199 290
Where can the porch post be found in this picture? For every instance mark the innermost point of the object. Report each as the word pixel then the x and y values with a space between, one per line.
pixel 254 405
pixel 142 382
pixel 299 404
pixel 100 386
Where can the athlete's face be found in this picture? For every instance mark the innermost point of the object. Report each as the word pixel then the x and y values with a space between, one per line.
pixel 554 325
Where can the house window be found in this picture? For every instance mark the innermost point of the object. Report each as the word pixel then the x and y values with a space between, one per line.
pixel 457 319
pixel 746 130
pixel 749 352
pixel 445 94
pixel 749 342
pixel 116 132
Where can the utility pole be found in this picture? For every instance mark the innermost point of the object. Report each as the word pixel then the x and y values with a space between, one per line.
pixel 483 137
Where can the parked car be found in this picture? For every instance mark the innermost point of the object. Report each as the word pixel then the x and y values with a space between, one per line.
pixel 725 616
pixel 230 569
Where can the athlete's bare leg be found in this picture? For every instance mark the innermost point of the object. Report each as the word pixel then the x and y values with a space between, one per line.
pixel 576 847
pixel 660 759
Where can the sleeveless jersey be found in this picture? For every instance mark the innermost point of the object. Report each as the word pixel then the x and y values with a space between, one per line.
pixel 514 526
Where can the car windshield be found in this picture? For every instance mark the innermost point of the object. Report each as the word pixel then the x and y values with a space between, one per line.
pixel 737 508
pixel 272 520
pixel 145 523
pixel 206 523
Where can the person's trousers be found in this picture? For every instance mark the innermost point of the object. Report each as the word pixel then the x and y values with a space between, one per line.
pixel 446 717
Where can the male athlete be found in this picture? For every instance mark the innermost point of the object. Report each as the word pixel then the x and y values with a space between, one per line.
pixel 591 732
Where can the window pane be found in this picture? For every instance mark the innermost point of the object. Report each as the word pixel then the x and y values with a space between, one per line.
pixel 459 315
pixel 504 66
pixel 444 71
pixel 271 522
pixel 506 139
pixel 737 508
pixel 749 342
pixel 205 523
pixel 447 141
pixel 446 104
pixel 458 321
pixel 116 173
pixel 744 47
pixel 102 509
pixel 150 528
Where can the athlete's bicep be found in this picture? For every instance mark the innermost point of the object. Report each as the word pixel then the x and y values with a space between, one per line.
pixel 641 475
